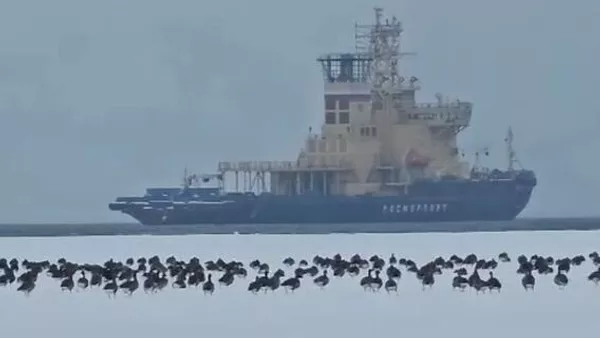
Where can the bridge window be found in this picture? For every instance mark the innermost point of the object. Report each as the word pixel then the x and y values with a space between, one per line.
pixel 343 103
pixel 368 131
pixel 330 118
pixel 344 117
pixel 329 103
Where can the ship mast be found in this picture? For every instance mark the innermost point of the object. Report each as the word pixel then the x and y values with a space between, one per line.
pixel 382 42
pixel 510 151
pixel 186 181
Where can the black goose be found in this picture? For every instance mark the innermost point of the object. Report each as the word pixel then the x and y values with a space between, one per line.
pixel 460 282
pixel 391 285
pixel 26 287
pixel 428 280
pixel 67 284
pixel 82 282
pixel 393 272
pixel 376 282
pixel 255 285
pixel 595 276
pixel 292 283
pixel 226 279
pixel 561 280
pixel 322 280
pixel 365 282
pixel 493 283
pixel 131 285
pixel 208 287
pixel 111 287
pixel 96 279
pixel 528 281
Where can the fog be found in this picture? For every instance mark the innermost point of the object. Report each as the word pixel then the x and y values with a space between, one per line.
pixel 101 99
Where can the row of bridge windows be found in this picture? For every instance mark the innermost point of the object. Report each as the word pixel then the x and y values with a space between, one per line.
pixel 368 131
pixel 342 117
pixel 342 103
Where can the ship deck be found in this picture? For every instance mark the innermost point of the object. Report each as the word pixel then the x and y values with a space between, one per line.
pixel 116 229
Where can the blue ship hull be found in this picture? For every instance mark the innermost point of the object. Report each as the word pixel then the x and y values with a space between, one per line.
pixel 428 201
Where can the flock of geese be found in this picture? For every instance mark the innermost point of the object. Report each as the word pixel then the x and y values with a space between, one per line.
pixel 153 275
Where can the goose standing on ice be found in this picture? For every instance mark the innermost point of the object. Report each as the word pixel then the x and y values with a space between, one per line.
pixel 528 281
pixel 493 283
pixel 365 282
pixel 208 287
pixel 82 282
pixel 391 285
pixel 595 276
pixel 322 280
pixel 561 280
pixel 292 283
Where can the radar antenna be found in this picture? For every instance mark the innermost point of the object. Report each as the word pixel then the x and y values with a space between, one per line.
pixel 381 42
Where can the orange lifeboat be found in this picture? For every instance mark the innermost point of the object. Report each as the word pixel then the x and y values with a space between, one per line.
pixel 414 159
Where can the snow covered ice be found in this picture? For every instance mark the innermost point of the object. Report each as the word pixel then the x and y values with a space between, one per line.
pixel 343 309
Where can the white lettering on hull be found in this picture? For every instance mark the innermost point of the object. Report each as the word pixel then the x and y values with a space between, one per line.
pixel 414 208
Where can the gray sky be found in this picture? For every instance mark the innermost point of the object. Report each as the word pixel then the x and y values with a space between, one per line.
pixel 101 99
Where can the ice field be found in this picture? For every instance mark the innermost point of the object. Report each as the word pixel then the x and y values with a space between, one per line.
pixel 342 309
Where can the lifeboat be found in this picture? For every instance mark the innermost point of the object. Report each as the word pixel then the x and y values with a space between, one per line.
pixel 414 159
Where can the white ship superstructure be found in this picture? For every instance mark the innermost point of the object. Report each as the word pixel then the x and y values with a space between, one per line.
pixel 376 138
